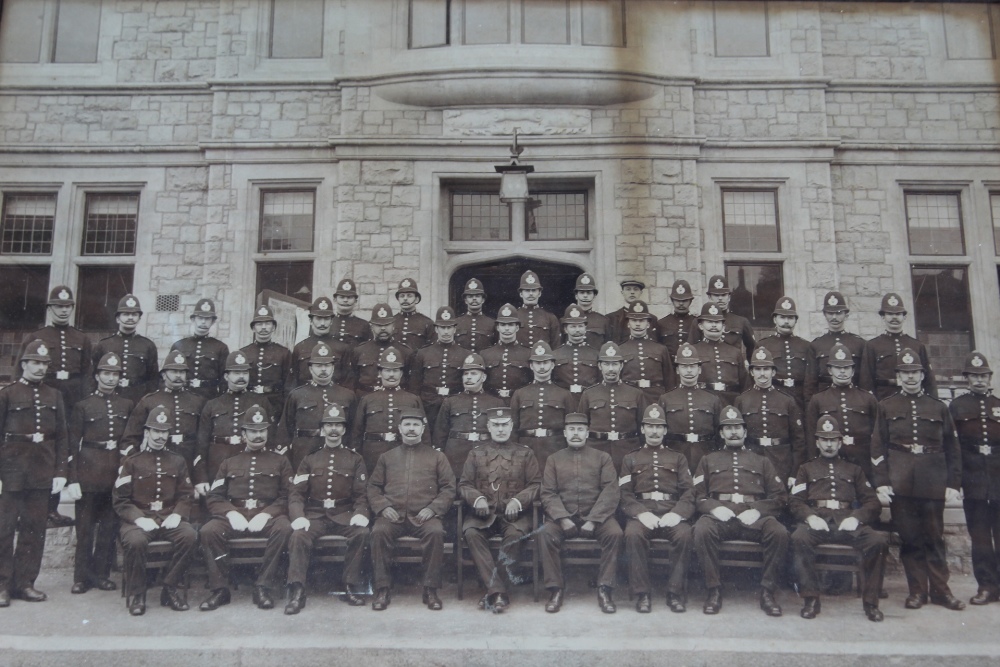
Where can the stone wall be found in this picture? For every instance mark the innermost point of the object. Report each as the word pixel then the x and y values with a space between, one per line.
pixel 735 112
pixel 915 115
pixel 276 114
pixel 166 42
pixel 867 40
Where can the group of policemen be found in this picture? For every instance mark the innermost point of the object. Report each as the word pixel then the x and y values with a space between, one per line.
pixel 684 428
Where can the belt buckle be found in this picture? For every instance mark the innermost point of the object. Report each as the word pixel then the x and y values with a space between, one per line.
pixel 156 506
pixel 111 444
pixel 644 384
pixel 390 437
pixel 985 449
pixel 123 382
pixel 612 435
pixel 259 389
pixel 250 503
pixel 691 437
pixel 195 382
pixel 442 391
pixel 575 388
pixel 62 375
pixel 503 393
pixel 738 498
pixel 719 386
pixel 38 437
pixel 831 504
pixel 765 442
pixel 177 438
pixel 848 439
pixel 656 495
pixel 329 504
pixel 540 432
pixel 788 382
pixel 234 440
pixel 473 437
pixel 917 449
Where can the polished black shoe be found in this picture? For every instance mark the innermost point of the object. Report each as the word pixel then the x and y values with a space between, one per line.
pixel 164 597
pixel 644 603
pixel 137 605
pixel 555 601
pixel 262 598
pixel 79 588
pixel 713 602
pixel 296 599
pixel 768 604
pixel 29 594
pixel 501 604
pixel 219 597
pixel 4 599
pixel 984 596
pixel 431 599
pixel 352 597
pixel 57 520
pixel 948 601
pixel 105 585
pixel 176 599
pixel 675 603
pixel 811 608
pixel 381 600
pixel 874 613
pixel 604 600
pixel 915 601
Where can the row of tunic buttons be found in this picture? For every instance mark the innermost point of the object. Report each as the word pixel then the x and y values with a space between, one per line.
pixel 833 482
pixel 736 472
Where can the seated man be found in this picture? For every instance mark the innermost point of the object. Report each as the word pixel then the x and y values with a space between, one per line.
pixel 579 495
pixel 153 496
pixel 328 498
pixel 739 496
pixel 249 495
pixel 499 482
pixel 410 491
pixel 826 510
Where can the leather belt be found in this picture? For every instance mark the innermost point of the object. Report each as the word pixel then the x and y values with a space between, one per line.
pixel 308 433
pixel 688 437
pixel 984 449
pixel 328 503
pixel 536 432
pixel 613 435
pixel 63 375
pixel 737 498
pixel 656 495
pixel 718 386
pixel 198 383
pixel 227 440
pixel 263 389
pixel 252 503
pixel 474 436
pixel 856 440
pixel 382 437
pixel 769 442
pixel 830 504
pixel 914 448
pixel 100 444
pixel 786 382
pixel 27 437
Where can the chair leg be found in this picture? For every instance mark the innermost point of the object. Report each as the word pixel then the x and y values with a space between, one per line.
pixel 460 569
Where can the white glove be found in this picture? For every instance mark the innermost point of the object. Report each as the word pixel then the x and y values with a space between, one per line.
pixel 723 513
pixel 147 524
pixel 74 492
pixel 648 519
pixel 749 517
pixel 359 520
pixel 850 524
pixel 172 521
pixel 884 493
pixel 58 483
pixel 952 495
pixel 257 523
pixel 237 521
pixel 669 520
pixel 816 523
pixel 301 523
pixel 201 489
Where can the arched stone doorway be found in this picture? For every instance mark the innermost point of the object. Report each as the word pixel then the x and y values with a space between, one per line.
pixel 501 279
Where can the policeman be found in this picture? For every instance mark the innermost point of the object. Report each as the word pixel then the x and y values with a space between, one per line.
pixel 436 371
pixel 736 329
pixel 206 354
pixel 346 327
pixel 675 328
pixel 33 465
pixel 620 325
pixel 95 428
pixel 539 410
pixel 375 427
pixel 299 429
pixel 658 499
pixel 723 370
pixel 363 359
pixel 537 324
pixel 773 419
pixel 579 496
pixel 647 363
pixel 412 329
pixel 613 408
pixel 738 495
pixel 328 498
pixel 507 361
pixel 576 361
pixel 823 499
pixel 461 421
pixel 916 463
pixel 878 361
pixel 691 413
pixel 321 316
pixel 249 495
pixel 977 420
pixel 153 497
pixel 410 491
pixel 500 481
pixel 598 325
pixel 856 410
pixel 835 311
pixel 474 330
pixel 270 363
pixel 792 354
pixel 139 359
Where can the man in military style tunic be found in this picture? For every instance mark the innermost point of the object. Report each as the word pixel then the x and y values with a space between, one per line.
pixel 916 462
pixel 412 329
pixel 657 497
pixel 773 419
pixel 647 363
pixel 321 316
pixel 33 466
pixel 507 361
pixel 270 363
pixel 878 361
pixel 138 355
pixel 738 495
pixel 249 495
pixel 363 359
pixel 691 413
pixel 95 429
pixel 347 327
pixel 613 408
pixel 576 361
pixel 792 354
pixel 411 489
pixel 598 326
pixel 823 500
pixel 461 421
pixel 632 293
pixel 723 367
pixel 537 324
pixel 475 331
pixel 977 420
pixel 675 328
pixel 579 495
pixel 153 497
pixel 500 481
pixel 436 371
pixel 539 409
pixel 328 497
pixel 736 329
pixel 206 354
pixel 836 311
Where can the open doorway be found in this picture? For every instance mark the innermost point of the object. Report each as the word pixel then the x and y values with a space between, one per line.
pixel 501 279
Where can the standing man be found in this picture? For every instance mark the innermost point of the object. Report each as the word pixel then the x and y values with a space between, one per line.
pixel 632 293
pixel 138 356
pixel 836 312
pixel 723 371
pixel 736 330
pixel 437 368
pixel 500 481
pixel 878 361
pixel 598 326
pixel 461 421
pixel 34 464
pixel 916 462
pixel 363 359
pixel 507 361
pixel 206 354
pixel 792 354
pixel 537 324
pixel 474 330
pixel 576 361
pixel 658 499
pixel 675 328
pixel 270 363
pixel 539 409
pixel 410 491
pixel 347 327
pixel 647 363
pixel 579 496
pixel 691 414
pixel 321 331
pixel 412 329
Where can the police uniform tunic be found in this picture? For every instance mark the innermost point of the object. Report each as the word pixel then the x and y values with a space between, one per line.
pixel 207 356
pixel 539 411
pixel 857 411
pixel 818 375
pixel 185 407
pixel 350 329
pixel 736 331
pixel 692 417
pixel 435 374
pixel 70 370
pixel 329 488
pixel 598 328
pixel 298 369
pixel 475 332
pixel 507 369
pixel 648 366
pixel 878 364
pixel 615 412
pixel 220 433
pixel 537 324
pixel 461 425
pixel 363 363
pixel 774 428
pixel 140 373
pixel 792 359
pixel 375 427
pixel 270 365
pixel 620 333
pixel 657 480
pixel 299 431
pixel 251 483
pixel 576 367
pixel 723 370
pixel 414 330
pixel 675 330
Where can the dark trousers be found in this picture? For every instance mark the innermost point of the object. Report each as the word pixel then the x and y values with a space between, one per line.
pixel 920 524
pixel 551 536
pixel 135 542
pixel 873 545
pixel 637 538
pixel 301 543
pixel 982 518
pixel 24 512
pixel 495 575
pixel 96 527
pixel 709 533
pixel 383 541
pixel 215 535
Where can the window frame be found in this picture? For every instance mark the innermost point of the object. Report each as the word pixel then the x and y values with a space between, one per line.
pixel 47 42
pixel 756 263
pixel 4 194
pixel 958 194
pixel 263 192
pixel 86 215
pixel 777 217
pixel 269 36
